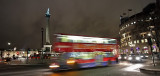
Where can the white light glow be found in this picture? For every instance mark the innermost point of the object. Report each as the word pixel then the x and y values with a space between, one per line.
pixel 137 58
pixel 146 56
pixel 132 23
pixel 133 68
pixel 9 43
pixel 130 58
pixel 149 34
pixel 54 66
pixel 119 57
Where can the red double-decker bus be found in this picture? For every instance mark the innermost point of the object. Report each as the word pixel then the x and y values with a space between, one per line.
pixel 83 52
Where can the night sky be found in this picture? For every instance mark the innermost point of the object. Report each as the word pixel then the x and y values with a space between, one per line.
pixel 21 20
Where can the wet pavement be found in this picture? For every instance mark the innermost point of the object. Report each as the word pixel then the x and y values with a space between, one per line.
pixel 121 69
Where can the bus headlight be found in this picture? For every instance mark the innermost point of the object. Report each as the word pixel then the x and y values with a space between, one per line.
pixel 119 57
pixel 130 58
pixel 70 61
pixel 125 57
pixel 146 56
pixel 137 58
pixel 52 66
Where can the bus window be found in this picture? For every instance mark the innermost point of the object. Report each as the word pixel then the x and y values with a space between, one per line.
pixel 108 54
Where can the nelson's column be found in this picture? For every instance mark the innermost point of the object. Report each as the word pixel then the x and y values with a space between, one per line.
pixel 47 46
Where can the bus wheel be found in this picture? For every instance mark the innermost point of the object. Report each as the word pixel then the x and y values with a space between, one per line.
pixel 109 62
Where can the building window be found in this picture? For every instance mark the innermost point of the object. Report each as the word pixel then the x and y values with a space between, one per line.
pixel 142 41
pixel 132 23
pixel 150 18
pixel 146 40
pixel 154 40
pixel 137 41
pixel 126 44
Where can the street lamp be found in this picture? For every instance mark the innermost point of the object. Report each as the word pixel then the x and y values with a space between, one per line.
pixel 8 48
pixel 42 29
pixel 150 44
pixel 9 43
pixel 155 27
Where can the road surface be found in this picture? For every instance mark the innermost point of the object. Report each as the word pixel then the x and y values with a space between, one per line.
pixel 122 69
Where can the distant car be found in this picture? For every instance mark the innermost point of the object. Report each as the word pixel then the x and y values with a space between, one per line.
pixel 144 56
pixel 7 59
pixel 2 61
pixel 134 58
pixel 122 57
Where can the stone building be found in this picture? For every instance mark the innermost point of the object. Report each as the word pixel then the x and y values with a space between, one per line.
pixel 135 31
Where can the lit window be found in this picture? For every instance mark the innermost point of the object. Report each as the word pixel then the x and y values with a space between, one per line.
pixel 146 40
pixel 153 39
pixel 137 41
pixel 142 41
pixel 150 18
pixel 132 23
pixel 126 25
pixel 126 44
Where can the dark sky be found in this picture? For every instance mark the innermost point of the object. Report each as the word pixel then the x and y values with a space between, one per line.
pixel 21 20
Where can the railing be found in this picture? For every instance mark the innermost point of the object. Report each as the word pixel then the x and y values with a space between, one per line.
pixel 30 61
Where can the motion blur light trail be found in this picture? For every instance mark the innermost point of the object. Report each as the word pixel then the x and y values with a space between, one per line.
pixel 133 68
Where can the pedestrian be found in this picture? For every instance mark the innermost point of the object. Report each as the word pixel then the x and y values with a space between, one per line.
pixel 14 57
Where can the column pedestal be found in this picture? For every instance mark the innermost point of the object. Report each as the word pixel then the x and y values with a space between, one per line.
pixel 47 49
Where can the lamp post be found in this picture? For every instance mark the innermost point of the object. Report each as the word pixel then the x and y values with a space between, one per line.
pixel 154 27
pixel 150 43
pixel 42 29
pixel 8 48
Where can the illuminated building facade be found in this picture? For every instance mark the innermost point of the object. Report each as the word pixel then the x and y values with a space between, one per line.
pixel 135 30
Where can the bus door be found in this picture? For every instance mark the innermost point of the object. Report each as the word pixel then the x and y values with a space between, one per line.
pixel 98 57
